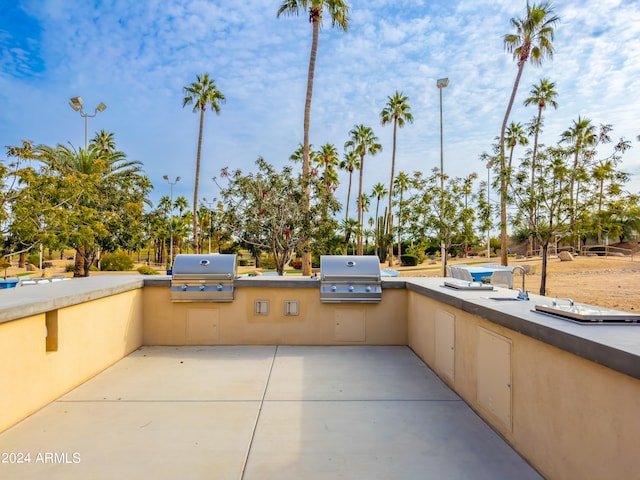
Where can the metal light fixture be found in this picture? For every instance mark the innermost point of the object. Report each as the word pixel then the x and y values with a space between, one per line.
pixel 77 104
pixel 442 83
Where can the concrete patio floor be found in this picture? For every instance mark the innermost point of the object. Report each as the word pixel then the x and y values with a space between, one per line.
pixel 261 412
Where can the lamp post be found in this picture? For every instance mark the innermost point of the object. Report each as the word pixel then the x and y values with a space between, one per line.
pixel 76 103
pixel 442 83
pixel 489 165
pixel 166 177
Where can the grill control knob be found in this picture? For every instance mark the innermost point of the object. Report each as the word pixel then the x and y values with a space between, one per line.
pixel 351 288
pixel 184 288
pixel 202 288
pixel 219 287
pixel 333 288
pixel 368 289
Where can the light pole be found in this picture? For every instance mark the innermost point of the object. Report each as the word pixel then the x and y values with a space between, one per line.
pixel 442 83
pixel 76 103
pixel 166 177
pixel 489 165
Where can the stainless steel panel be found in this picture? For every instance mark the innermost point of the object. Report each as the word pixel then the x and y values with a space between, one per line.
pixel 350 279
pixel 589 314
pixel 203 278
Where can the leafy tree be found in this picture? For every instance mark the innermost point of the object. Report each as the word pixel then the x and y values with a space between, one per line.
pixel 581 138
pixel 362 140
pixel 265 209
pixel 397 111
pixel 338 11
pixel 531 41
pixel 201 93
pixel 401 184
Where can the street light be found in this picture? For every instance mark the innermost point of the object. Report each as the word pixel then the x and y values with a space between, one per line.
pixel 442 83
pixel 76 103
pixel 166 177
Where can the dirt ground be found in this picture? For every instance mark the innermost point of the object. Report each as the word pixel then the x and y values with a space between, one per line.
pixel 612 282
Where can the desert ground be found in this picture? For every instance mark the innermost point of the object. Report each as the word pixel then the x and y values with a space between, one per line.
pixel 612 282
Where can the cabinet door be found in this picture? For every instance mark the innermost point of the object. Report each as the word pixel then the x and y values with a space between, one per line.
pixel 494 375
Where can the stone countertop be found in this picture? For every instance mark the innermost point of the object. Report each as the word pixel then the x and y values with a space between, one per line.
pixel 614 346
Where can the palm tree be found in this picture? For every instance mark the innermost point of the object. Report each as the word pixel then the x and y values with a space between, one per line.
pixel 379 191
pixel 581 135
pixel 328 158
pixel 350 162
pixel 532 40
pixel 201 93
pixel 338 10
pixel 514 136
pixel 396 111
pixel 363 141
pixel 542 94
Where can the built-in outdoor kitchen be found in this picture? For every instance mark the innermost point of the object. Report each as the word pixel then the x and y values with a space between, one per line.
pixel 559 381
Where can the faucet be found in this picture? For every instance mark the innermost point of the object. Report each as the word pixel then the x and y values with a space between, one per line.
pixel 522 293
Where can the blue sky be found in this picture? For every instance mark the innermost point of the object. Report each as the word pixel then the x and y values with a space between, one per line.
pixel 137 56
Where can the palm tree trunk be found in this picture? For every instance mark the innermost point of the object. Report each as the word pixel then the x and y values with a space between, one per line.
pixel 504 239
pixel 195 188
pixel 377 232
pixel 533 209
pixel 306 253
pixel 390 218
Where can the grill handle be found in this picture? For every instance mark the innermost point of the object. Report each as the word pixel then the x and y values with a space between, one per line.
pixel 351 278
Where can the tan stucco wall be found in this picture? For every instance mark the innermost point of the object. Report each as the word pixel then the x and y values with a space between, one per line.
pixel 569 417
pixel 236 323
pixel 90 337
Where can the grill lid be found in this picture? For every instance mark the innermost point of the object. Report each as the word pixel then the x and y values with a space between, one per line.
pixel 203 278
pixel 205 265
pixel 350 278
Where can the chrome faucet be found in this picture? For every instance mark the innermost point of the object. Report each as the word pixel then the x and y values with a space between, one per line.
pixel 522 292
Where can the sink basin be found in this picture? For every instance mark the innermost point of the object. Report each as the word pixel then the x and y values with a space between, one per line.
pixel 505 299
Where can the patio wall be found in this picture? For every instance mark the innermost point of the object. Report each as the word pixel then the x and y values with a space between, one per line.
pixel 238 323
pixel 45 355
pixel 569 417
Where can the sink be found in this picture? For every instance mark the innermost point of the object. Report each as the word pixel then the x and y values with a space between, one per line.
pixel 505 299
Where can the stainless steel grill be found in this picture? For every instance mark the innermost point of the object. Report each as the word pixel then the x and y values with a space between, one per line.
pixel 350 278
pixel 203 278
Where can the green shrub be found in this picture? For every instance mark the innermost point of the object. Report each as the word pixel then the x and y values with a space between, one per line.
pixel 69 267
pixel 116 262
pixel 147 270
pixel 268 263
pixel 243 262
pixel 409 260
pixel 33 259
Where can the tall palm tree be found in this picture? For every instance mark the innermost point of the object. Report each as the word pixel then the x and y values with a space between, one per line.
pixel 338 10
pixel 363 141
pixel 531 41
pixel 580 136
pixel 201 93
pixel 541 95
pixel 397 112
pixel 379 191
pixel 350 162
